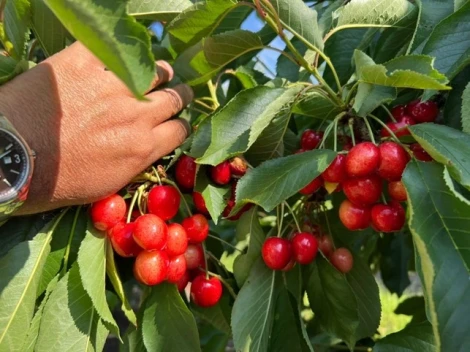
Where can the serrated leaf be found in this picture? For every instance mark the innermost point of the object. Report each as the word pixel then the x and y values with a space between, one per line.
pixel 216 315
pixel 276 180
pixel 466 109
pixel 447 146
pixel 7 68
pixel 15 20
pixel 115 38
pixel 133 341
pixel 370 96
pixel 167 323
pixel 202 61
pixel 252 314
pixel 214 196
pixel 238 124
pixel 316 105
pixel 449 44
pixel 410 339
pixel 113 276
pixel 69 322
pixel 159 10
pixel 47 29
pixel 435 225
pixel 197 22
pixel 92 267
pixel 452 111
pixel 248 226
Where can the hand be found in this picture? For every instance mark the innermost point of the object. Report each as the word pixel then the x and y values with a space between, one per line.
pixel 91 136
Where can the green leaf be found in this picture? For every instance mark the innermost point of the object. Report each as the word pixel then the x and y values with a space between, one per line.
pixel 252 314
pixel 197 22
pixel 7 68
pixel 159 10
pixel 167 324
pixel 453 113
pixel 447 146
pixel 115 38
pixel 214 196
pixel 449 44
pixel 202 61
pixel 299 19
pixel 16 19
pixel 21 272
pixel 248 226
pixel 276 180
pixel 69 322
pixel 316 105
pixel 238 124
pixel 133 341
pixel 92 266
pixel 410 339
pixel 413 306
pixel 370 96
pixel 218 316
pixel 466 109
pixel 437 221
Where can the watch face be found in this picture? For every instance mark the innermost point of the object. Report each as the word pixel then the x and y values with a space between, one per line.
pixel 14 165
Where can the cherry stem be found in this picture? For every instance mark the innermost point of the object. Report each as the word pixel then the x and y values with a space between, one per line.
pixel 205 258
pixel 369 129
pixel 225 242
pixel 293 216
pixel 383 198
pixel 328 226
pixel 186 205
pixel 213 92
pixel 351 129
pixel 353 88
pixel 335 141
pixel 229 288
pixel 131 206
pixel 69 243
pixel 393 135
pixel 214 258
pixel 388 113
pixel 280 219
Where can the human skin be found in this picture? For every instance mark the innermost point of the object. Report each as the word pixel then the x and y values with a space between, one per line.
pixel 90 134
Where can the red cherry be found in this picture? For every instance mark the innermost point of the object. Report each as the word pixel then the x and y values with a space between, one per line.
pixel 164 201
pixel 310 139
pixel 289 265
pixel 183 282
pixel 177 240
pixel 397 191
pixel 151 267
pixel 122 240
pixel 388 218
pixel 398 112
pixel 304 247
pixel 200 203
pixel 221 174
pixel 108 212
pixel 150 232
pixel 176 269
pixel 426 111
pixel 336 172
pixel 342 260
pixel 325 244
pixel 393 160
pixel 399 128
pixel 230 206
pixel 197 228
pixel 354 217
pixel 277 252
pixel 312 187
pixel 238 166
pixel 206 292
pixel 185 172
pixel 363 159
pixel 137 275
pixel 194 256
pixel 363 190
pixel 420 153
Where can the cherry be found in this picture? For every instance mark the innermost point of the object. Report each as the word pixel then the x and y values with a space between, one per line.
pixel 420 153
pixel 304 247
pixel 228 209
pixel 276 252
pixel 177 240
pixel 197 228
pixel 122 240
pixel 336 172
pixel 164 201
pixel 388 217
pixel 354 217
pixel 342 260
pixel 238 166
pixel 194 256
pixel 221 174
pixel 185 171
pixel 108 212
pixel 200 203
pixel 363 190
pixel 398 111
pixel 183 281
pixel 393 160
pixel 325 244
pixel 313 186
pixel 289 265
pixel 176 269
pixel 399 128
pixel 150 232
pixel 397 191
pixel 426 111
pixel 363 159
pixel 310 139
pixel 206 292
pixel 151 267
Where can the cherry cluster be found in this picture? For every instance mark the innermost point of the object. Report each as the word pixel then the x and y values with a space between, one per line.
pixel 163 251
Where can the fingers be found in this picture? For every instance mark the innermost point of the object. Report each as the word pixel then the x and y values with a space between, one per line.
pixel 164 73
pixel 168 136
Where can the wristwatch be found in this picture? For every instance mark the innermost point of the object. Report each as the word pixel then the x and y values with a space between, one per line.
pixel 16 169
